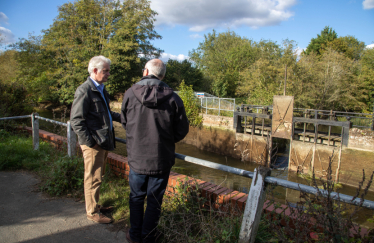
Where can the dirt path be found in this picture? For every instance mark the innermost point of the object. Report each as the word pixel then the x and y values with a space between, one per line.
pixel 28 216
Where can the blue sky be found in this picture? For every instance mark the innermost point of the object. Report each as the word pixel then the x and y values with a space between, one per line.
pixel 183 23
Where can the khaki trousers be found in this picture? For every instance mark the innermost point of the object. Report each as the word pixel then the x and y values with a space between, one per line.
pixel 94 169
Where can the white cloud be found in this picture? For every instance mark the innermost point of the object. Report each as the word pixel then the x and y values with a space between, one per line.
pixel 196 36
pixel 6 36
pixel 3 18
pixel 368 4
pixel 200 15
pixel 370 46
pixel 166 56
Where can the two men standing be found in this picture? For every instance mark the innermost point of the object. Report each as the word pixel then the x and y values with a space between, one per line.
pixel 154 118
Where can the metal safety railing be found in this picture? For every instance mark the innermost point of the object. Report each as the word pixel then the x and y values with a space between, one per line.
pixel 71 137
pixel 256 195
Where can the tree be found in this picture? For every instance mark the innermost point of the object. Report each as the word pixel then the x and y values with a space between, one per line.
pixel 191 105
pixel 366 77
pixel 222 57
pixel 8 66
pixel 349 45
pixel 266 76
pixel 86 28
pixel 329 82
pixel 316 44
pixel 177 71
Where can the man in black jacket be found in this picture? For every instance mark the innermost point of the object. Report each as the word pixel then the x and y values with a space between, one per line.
pixel 91 119
pixel 155 119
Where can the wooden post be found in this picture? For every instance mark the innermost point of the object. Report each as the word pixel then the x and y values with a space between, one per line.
pixel 72 141
pixel 35 130
pixel 253 208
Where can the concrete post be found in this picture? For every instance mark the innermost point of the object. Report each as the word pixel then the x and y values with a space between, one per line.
pixel 72 141
pixel 35 130
pixel 253 208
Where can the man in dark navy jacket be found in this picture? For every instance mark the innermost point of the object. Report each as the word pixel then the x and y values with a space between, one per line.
pixel 155 119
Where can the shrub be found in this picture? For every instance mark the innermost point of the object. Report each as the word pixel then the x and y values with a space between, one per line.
pixel 191 104
pixel 13 100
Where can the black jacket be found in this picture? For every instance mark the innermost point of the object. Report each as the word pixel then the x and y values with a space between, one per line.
pixel 155 119
pixel 90 119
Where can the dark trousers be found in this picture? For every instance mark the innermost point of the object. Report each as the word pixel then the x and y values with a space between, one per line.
pixel 143 225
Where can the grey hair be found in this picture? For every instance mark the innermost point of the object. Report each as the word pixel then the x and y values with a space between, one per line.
pixel 98 62
pixel 156 67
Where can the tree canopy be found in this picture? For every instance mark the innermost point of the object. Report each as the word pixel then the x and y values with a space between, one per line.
pixel 177 71
pixel 85 28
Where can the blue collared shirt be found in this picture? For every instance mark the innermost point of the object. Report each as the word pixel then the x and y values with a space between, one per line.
pixel 100 87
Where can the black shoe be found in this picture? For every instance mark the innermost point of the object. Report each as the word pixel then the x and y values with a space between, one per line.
pixel 129 238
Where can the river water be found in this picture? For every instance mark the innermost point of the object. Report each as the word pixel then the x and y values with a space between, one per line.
pixel 225 179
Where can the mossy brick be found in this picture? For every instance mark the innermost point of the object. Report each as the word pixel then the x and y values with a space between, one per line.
pixel 178 179
pixel 234 199
pixel 215 195
pixel 211 190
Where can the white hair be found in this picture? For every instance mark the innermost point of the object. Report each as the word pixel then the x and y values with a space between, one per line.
pixel 98 62
pixel 156 67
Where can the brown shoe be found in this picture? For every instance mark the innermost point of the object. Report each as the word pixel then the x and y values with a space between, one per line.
pixel 106 209
pixel 99 218
pixel 128 238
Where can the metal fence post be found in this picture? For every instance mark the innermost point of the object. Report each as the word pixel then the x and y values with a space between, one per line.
pixel 72 141
pixel 253 208
pixel 219 106
pixel 35 130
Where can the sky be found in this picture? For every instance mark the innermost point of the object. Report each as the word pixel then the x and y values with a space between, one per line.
pixel 183 23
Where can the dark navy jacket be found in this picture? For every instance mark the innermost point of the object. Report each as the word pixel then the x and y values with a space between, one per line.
pixel 155 119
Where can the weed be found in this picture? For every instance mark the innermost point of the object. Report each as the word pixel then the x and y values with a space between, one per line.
pixel 115 192
pixel 188 217
pixel 323 217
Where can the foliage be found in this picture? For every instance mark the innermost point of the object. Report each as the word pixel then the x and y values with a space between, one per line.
pixel 17 152
pixel 65 174
pixel 13 100
pixel 177 71
pixel 265 77
pixel 328 82
pixel 366 77
pixel 325 218
pixel 188 217
pixel 56 63
pixel 316 44
pixel 191 105
pixel 222 57
pixel 349 45
pixel 115 192
pixel 8 66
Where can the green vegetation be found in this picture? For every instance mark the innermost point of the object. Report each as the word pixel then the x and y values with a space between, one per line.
pixel 333 73
pixel 13 100
pixel 191 105
pixel 60 174
pixel 187 217
pixel 176 72
pixel 53 65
